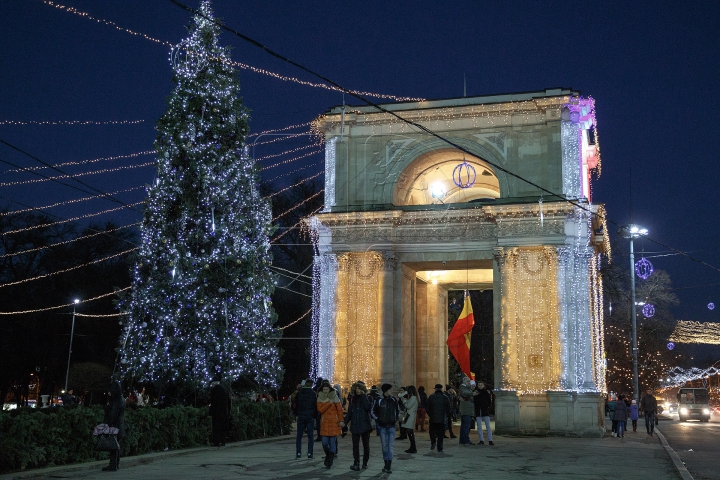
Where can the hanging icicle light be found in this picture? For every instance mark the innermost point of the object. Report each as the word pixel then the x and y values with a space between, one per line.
pixel 643 268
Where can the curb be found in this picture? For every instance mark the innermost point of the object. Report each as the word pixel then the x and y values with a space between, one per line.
pixel 682 470
pixel 133 461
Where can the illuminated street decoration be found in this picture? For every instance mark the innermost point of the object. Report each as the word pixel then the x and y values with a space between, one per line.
pixel 643 268
pixel 670 345
pixel 464 175
pixel 648 310
pixel 711 306
pixel 678 377
pixel 696 332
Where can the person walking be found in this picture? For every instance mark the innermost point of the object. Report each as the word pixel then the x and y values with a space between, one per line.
pixel 358 417
pixel 305 414
pixel 452 397
pixel 332 420
pixel 620 417
pixel 648 405
pixel 411 407
pixel 386 412
pixel 402 397
pixel 422 408
pixel 317 387
pixel 115 417
pixel 467 410
pixel 219 411
pixel 482 399
pixel 634 414
pixel 611 408
pixel 438 410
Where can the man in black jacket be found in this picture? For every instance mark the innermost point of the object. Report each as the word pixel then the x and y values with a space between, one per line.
pixel 438 409
pixel 358 417
pixel 305 411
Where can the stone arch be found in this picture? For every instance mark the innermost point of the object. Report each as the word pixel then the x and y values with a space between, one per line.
pixel 420 157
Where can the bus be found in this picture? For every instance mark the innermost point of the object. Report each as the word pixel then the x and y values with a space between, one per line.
pixel 693 403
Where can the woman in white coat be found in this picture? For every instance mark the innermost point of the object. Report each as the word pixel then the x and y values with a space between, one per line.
pixel 411 406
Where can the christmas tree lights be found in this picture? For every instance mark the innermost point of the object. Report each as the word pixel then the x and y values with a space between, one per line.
pixel 200 303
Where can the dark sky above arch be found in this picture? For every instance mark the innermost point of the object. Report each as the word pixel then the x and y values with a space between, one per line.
pixel 652 69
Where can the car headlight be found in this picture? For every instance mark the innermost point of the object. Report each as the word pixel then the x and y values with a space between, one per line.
pixel 706 411
pixel 683 410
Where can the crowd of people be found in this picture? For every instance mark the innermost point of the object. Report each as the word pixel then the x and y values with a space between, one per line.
pixel 621 408
pixel 320 407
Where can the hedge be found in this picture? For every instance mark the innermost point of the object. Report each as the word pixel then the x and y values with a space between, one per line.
pixel 32 438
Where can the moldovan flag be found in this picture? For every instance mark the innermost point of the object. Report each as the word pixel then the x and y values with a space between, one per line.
pixel 459 339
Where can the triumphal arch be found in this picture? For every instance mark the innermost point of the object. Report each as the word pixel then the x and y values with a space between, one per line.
pixel 409 217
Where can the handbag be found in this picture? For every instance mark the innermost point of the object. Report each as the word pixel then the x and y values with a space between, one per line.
pixel 107 443
pixel 405 418
pixel 105 429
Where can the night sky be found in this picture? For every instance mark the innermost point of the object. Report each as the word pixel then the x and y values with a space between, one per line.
pixel 652 69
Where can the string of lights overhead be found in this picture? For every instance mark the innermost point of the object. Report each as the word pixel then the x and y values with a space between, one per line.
pixel 66 202
pixel 286 152
pixel 295 159
pixel 298 205
pixel 304 180
pixel 75 175
pixel 230 62
pixel 687 331
pixel 81 162
pixel 70 122
pixel 283 129
pixel 270 180
pixel 57 307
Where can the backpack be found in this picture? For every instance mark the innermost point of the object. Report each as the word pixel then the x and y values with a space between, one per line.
pixel 387 412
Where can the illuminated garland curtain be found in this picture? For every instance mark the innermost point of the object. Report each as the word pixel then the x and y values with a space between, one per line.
pixel 530 319
pixel 200 303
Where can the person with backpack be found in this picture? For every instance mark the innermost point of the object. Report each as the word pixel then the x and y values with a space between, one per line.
pixel 386 412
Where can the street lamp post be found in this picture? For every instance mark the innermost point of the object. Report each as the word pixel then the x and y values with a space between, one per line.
pixel 72 332
pixel 632 232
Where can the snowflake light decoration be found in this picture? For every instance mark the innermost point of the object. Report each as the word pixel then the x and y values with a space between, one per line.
pixel 670 345
pixel 466 171
pixel 711 306
pixel 648 310
pixel 643 268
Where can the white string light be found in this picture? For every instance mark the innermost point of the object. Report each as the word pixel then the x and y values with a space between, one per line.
pixel 687 331
pixel 295 159
pixel 291 172
pixel 70 122
pixel 304 180
pixel 75 175
pixel 44 247
pixel 67 202
pixel 286 152
pixel 299 223
pixel 57 307
pixel 80 217
pixel 81 162
pixel 237 64
pixel 275 130
pixel 298 205
pixel 109 257
pixel 296 321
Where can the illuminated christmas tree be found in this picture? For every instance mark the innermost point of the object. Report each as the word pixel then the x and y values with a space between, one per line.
pixel 200 302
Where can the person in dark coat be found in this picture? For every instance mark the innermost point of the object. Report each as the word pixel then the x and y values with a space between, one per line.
pixel 438 409
pixel 318 388
pixel 422 409
pixel 648 405
pixel 219 411
pixel 115 417
pixel 358 417
pixel 483 401
pixel 620 417
pixel 305 413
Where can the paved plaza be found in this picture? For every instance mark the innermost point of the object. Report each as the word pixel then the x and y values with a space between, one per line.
pixel 638 456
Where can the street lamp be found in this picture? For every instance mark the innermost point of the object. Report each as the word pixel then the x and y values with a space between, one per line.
pixel 72 332
pixel 632 232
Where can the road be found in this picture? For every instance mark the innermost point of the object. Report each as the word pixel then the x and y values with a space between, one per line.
pixel 696 443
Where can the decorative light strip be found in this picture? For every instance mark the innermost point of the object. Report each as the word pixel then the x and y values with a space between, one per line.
pixel 296 321
pixel 280 139
pixel 59 222
pixel 275 130
pixel 330 146
pixel 295 184
pixel 237 64
pixel 44 247
pixel 295 159
pixel 57 307
pixel 300 223
pixel 81 162
pixel 286 152
pixel 68 269
pixel 323 307
pixel 75 175
pixel 101 316
pixel 290 173
pixel 70 122
pixel 298 205
pixel 687 331
pixel 67 202
pixel 678 376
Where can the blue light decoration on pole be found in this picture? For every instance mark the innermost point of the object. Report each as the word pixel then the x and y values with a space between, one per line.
pixel 670 345
pixel 467 171
pixel 643 268
pixel 648 310
pixel 632 232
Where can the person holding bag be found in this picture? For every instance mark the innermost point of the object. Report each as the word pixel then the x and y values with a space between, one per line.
pixel 115 418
